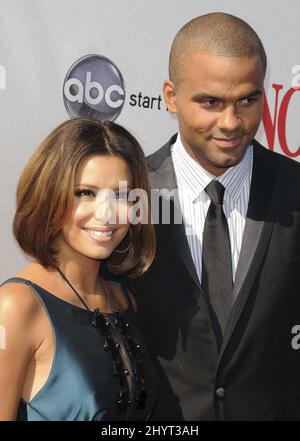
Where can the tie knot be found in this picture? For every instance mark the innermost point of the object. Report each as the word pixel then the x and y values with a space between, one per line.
pixel 215 191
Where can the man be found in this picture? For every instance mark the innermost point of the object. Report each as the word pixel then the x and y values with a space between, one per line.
pixel 220 306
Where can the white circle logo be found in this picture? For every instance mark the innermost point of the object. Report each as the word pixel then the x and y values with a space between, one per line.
pixel 94 87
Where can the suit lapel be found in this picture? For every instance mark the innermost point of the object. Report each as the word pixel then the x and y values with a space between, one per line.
pixel 258 229
pixel 181 245
pixel 164 178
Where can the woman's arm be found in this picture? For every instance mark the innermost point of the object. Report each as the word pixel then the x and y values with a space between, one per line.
pixel 18 309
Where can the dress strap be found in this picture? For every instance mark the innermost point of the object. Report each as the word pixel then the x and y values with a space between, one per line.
pixel 23 281
pixel 16 280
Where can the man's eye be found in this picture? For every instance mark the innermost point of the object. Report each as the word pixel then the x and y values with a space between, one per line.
pixel 247 101
pixel 210 102
pixel 85 194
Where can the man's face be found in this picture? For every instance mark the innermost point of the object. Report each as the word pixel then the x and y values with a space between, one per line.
pixel 219 102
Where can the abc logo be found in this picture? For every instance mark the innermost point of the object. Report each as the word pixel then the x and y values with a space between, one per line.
pixel 94 87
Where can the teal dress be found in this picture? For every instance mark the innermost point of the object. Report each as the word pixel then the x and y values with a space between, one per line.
pixel 101 370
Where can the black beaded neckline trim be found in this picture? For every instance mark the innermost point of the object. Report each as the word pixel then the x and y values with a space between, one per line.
pixel 115 324
pixel 127 399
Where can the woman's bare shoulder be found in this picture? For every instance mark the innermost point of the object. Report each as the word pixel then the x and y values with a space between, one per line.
pixel 19 324
pixel 18 300
pixel 22 295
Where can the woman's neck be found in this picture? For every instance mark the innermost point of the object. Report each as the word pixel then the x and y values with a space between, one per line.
pixel 83 276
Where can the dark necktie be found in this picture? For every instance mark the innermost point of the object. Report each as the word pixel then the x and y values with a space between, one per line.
pixel 216 255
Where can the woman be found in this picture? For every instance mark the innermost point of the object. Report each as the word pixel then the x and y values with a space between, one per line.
pixel 72 351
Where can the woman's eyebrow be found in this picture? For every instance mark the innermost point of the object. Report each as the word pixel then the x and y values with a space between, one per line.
pixel 94 187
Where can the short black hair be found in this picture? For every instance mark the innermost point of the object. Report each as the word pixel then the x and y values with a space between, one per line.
pixel 217 33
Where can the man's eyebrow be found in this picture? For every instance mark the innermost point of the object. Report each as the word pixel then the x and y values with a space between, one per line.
pixel 256 92
pixel 205 96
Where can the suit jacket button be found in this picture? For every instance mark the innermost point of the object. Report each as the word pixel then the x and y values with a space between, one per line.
pixel 220 392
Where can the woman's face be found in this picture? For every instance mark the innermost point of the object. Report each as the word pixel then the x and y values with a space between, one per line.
pixel 99 220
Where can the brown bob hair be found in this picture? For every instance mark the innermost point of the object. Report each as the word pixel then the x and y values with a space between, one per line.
pixel 45 192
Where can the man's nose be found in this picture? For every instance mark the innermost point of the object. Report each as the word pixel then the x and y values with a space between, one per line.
pixel 229 121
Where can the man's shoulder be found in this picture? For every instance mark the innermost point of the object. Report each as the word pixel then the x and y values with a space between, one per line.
pixel 156 159
pixel 286 165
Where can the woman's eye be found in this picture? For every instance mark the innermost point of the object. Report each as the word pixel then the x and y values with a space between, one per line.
pixel 85 194
pixel 122 196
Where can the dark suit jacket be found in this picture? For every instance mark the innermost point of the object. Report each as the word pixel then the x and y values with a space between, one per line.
pixel 254 373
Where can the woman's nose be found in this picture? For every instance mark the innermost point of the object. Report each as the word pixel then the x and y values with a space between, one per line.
pixel 105 211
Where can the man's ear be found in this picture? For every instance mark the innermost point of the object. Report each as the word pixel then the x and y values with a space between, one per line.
pixel 169 92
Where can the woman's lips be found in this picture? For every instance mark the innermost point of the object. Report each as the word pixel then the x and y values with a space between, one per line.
pixel 227 142
pixel 101 236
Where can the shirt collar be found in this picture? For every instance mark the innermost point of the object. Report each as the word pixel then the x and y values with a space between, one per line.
pixel 194 178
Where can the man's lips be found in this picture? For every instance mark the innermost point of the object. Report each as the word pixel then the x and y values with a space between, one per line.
pixel 228 142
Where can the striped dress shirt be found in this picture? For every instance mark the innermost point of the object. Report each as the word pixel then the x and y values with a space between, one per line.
pixel 192 179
